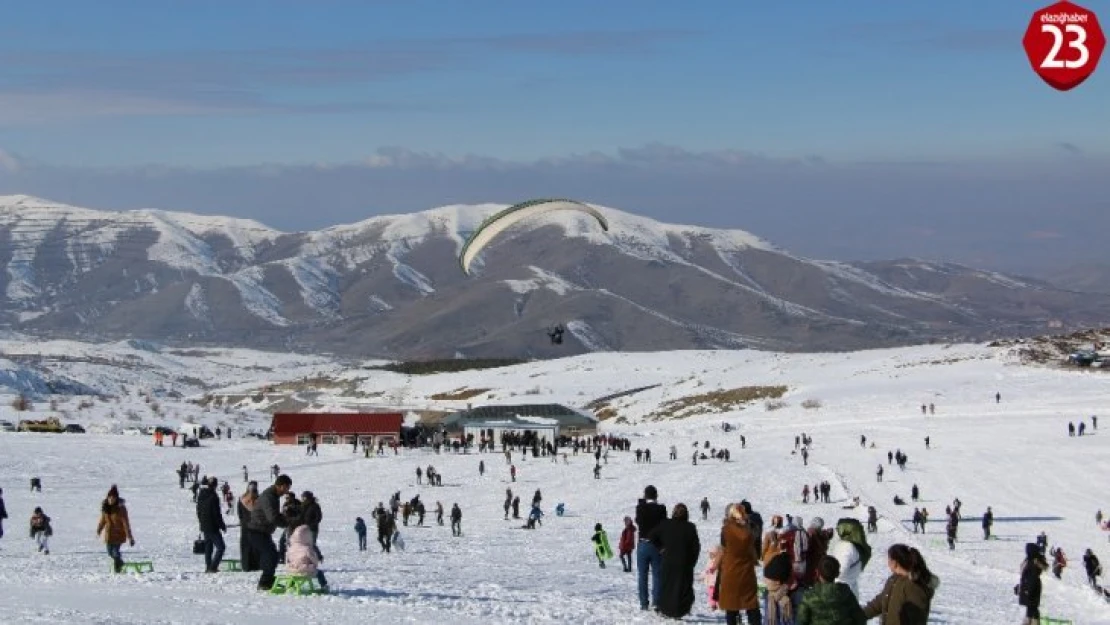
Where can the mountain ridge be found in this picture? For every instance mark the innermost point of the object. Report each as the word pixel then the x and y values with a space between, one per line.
pixel 390 286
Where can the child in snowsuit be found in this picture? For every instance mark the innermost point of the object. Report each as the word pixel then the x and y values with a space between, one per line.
pixel 599 540
pixel 627 544
pixel 709 576
pixel 41 530
pixel 360 529
pixel 301 558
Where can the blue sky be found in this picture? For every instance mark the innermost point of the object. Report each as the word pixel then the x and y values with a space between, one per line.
pixel 450 93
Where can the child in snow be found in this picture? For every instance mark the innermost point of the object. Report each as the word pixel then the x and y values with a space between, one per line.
pixel 709 576
pixel 600 541
pixel 360 529
pixel 627 544
pixel 41 530
pixel 301 558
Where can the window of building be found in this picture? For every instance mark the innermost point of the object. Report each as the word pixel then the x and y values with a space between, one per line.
pixel 572 430
pixel 329 439
pixel 304 439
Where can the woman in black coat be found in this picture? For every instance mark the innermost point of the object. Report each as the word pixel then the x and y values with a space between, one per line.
pixel 1029 589
pixel 677 540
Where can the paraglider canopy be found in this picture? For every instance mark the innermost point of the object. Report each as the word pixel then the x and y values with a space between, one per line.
pixel 503 220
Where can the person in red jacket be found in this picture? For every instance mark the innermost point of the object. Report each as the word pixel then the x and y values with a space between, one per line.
pixel 627 544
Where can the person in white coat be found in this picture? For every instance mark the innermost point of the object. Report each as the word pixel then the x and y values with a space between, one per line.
pixel 301 557
pixel 851 551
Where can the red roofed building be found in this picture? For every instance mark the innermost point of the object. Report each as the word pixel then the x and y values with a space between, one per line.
pixel 298 428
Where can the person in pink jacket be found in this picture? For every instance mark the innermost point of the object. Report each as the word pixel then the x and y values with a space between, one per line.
pixel 301 558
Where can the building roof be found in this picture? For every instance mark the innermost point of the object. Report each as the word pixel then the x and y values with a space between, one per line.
pixel 292 423
pixel 524 415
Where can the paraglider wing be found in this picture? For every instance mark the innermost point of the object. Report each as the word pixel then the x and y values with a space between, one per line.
pixel 505 219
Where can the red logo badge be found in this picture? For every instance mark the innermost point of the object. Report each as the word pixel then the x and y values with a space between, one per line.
pixel 1064 42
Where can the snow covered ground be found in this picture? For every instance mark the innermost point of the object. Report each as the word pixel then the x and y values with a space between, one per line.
pixel 1014 456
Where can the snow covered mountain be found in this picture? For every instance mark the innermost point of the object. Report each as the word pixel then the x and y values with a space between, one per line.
pixel 390 286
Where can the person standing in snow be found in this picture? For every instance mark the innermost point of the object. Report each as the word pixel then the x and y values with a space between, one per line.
pixel 248 558
pixel 360 531
pixel 312 515
pixel 211 526
pixel 265 518
pixel 952 528
pixel 737 591
pixel 41 531
pixel 439 513
pixel 456 520
pixel 678 543
pixel 704 508
pixel 1090 564
pixel 627 543
pixel 851 551
pixel 115 525
pixel 988 521
pixel 1059 561
pixel 907 595
pixel 1029 588
pixel 3 513
pixel 915 492
pixel 649 514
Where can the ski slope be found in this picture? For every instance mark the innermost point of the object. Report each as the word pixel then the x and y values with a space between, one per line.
pixel 1014 456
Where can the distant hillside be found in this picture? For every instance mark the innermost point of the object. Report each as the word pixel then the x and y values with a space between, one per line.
pixel 390 287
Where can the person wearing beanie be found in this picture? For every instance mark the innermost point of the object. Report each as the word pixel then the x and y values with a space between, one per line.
pixel 830 602
pixel 115 525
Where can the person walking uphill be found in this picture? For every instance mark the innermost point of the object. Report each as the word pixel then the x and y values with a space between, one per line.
pixel 115 525
pixel 908 593
pixel 265 518
pixel 677 540
pixel 211 526
pixel 649 514
pixel 740 554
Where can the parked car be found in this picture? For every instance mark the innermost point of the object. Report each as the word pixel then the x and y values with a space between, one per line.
pixel 7 426
pixel 74 428
pixel 133 431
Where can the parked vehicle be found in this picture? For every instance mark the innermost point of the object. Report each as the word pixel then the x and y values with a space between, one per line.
pixel 50 424
pixel 74 428
pixel 7 426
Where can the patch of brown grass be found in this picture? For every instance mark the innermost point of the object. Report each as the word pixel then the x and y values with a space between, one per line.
pixel 723 400
pixel 607 412
pixel 460 393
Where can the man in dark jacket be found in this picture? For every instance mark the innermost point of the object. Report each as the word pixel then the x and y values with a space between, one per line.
pixel 265 518
pixel 211 526
pixel 312 515
pixel 649 514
